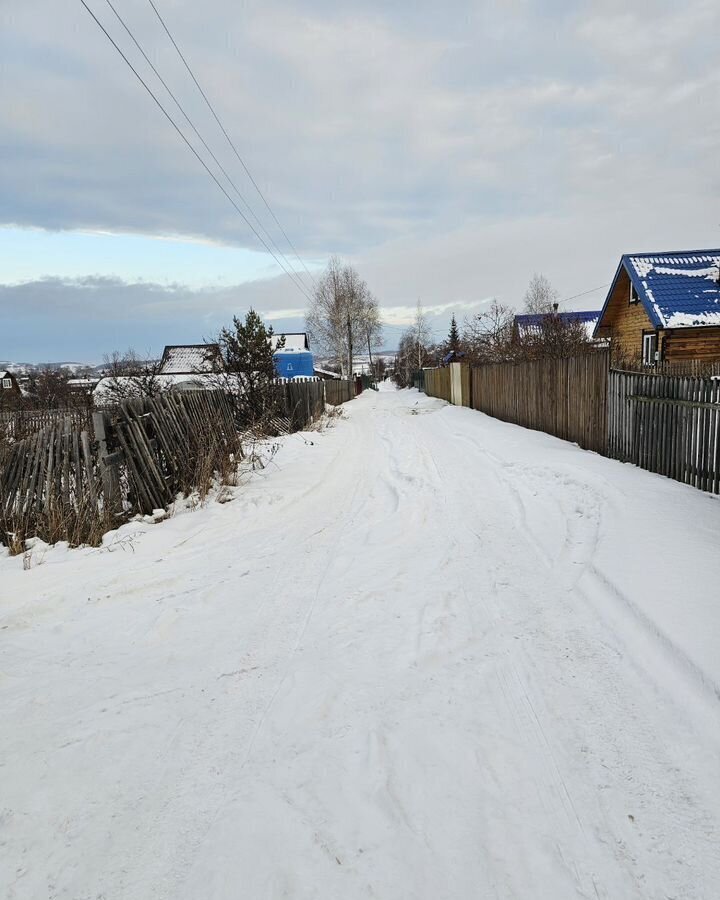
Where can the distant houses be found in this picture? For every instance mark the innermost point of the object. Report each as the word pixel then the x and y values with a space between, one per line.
pixel 664 307
pixel 182 367
pixel 8 382
pixel 531 325
pixel 190 359
pixel 9 385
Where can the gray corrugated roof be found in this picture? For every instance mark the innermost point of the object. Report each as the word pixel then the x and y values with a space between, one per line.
pixel 187 359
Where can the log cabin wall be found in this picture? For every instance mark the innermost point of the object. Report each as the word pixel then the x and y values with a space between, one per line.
pixel 684 344
pixel 625 322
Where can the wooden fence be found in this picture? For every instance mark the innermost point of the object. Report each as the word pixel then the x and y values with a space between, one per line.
pixel 563 397
pixel 437 383
pixel 73 482
pixel 20 423
pixel 667 424
pixel 304 402
pixel 339 391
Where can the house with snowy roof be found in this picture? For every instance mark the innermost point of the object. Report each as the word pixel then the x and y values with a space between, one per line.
pixel 664 307
pixel 190 359
pixel 531 324
pixel 183 367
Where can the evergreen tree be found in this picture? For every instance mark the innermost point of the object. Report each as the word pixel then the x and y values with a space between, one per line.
pixel 247 351
pixel 453 338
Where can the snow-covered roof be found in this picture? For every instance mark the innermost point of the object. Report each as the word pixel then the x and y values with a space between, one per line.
pixel 530 324
pixel 293 340
pixel 680 289
pixel 187 359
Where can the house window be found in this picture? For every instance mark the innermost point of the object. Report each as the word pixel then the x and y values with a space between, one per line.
pixel 650 345
pixel 633 294
pixel 7 382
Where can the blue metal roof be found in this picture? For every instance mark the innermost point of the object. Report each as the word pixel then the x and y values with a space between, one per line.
pixel 530 322
pixel 584 315
pixel 678 289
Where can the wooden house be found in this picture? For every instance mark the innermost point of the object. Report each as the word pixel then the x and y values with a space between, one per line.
pixel 9 385
pixel 531 325
pixel 664 307
pixel 190 359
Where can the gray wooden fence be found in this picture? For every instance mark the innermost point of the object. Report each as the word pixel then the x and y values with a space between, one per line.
pixel 18 424
pixel 72 480
pixel 667 424
pixel 660 421
pixel 566 397
pixel 339 391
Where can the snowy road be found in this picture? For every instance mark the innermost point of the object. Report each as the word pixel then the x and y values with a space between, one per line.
pixel 430 655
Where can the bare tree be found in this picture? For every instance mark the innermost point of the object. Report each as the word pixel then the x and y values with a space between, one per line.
pixel 48 388
pixel 128 376
pixel 487 337
pixel 415 349
pixel 553 336
pixel 422 335
pixel 405 359
pixel 540 295
pixel 343 314
pixel 373 328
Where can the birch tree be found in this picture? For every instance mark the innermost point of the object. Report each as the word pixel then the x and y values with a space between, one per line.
pixel 540 295
pixel 343 317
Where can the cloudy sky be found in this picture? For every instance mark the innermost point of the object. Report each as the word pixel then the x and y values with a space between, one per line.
pixel 449 151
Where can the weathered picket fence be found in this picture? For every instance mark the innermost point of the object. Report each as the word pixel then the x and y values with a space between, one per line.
pixel 20 423
pixel 72 481
pixel 167 445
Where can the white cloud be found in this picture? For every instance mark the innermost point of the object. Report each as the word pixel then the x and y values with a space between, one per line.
pixel 449 152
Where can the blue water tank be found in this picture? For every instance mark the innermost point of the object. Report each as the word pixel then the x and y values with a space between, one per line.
pixel 294 363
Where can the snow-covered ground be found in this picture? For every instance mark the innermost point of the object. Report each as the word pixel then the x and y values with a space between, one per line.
pixel 424 654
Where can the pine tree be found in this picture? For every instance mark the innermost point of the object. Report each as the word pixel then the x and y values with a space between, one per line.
pixel 453 338
pixel 247 351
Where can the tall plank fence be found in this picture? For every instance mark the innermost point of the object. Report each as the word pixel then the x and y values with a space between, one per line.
pixel 667 424
pixel 437 383
pixel 563 397
pixel 339 391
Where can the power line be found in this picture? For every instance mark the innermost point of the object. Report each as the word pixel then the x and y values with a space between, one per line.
pixel 230 141
pixel 200 137
pixel 193 150
pixel 583 293
pixel 564 300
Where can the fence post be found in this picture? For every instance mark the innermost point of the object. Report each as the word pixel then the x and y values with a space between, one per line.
pixel 107 463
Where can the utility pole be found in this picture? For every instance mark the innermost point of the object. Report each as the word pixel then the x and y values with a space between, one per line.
pixel 350 346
